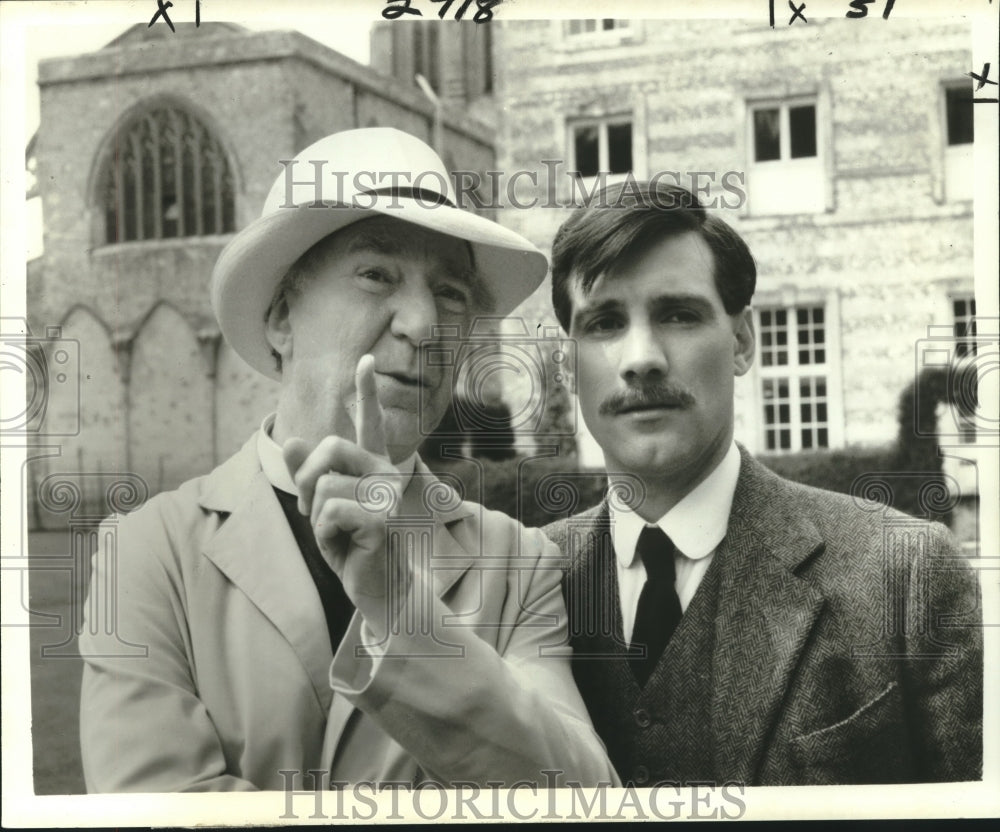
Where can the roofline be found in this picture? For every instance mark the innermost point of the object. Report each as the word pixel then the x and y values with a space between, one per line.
pixel 255 47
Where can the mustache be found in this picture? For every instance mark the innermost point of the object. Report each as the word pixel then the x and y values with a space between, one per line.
pixel 648 395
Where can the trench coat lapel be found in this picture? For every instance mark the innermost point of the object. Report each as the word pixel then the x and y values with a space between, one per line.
pixel 765 614
pixel 256 550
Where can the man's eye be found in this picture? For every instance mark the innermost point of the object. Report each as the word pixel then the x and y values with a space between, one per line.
pixel 377 275
pixel 453 298
pixel 603 325
pixel 680 316
pixel 375 278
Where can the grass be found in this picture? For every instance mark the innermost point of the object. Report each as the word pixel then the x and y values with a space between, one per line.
pixel 56 666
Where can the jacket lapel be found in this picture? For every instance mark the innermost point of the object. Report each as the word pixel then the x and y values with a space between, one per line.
pixel 256 550
pixel 432 505
pixel 593 604
pixel 765 614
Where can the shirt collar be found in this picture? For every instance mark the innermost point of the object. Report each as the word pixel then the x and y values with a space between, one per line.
pixel 696 524
pixel 273 462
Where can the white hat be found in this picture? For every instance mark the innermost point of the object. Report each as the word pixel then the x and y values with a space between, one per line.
pixel 356 171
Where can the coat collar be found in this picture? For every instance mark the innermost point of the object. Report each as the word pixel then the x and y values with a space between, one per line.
pixel 256 550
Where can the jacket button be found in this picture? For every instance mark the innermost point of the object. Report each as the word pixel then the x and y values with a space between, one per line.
pixel 640 776
pixel 642 718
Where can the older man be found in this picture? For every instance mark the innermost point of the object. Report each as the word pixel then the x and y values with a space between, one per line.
pixel 320 601
pixel 731 625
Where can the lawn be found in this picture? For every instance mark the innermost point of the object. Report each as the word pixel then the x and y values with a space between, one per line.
pixel 56 666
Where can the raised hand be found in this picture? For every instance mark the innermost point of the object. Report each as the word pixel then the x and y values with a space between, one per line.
pixel 348 490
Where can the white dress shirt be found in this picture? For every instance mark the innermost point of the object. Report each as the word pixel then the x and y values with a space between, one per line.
pixel 696 525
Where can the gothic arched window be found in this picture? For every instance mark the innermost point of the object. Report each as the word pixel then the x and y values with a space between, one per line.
pixel 168 176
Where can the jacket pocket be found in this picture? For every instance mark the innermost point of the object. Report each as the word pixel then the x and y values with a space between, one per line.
pixel 869 746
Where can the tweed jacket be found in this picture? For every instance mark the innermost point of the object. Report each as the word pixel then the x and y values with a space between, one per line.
pixel 830 642
pixel 238 682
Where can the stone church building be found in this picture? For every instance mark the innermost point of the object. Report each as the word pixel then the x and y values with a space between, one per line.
pixel 150 153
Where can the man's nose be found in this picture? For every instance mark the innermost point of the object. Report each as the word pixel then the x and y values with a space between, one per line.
pixel 414 315
pixel 642 356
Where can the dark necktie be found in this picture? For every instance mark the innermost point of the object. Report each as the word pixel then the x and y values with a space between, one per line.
pixel 659 609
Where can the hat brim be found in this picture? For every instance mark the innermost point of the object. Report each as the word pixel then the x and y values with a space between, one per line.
pixel 251 266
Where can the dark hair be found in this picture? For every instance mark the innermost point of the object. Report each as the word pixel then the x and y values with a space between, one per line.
pixel 632 214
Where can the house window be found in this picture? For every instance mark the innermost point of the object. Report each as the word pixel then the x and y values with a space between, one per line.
pixel 966 389
pixel 168 176
pixel 593 27
pixel 785 172
pixel 964 325
pixel 958 114
pixel 958 151
pixel 602 145
pixel 794 383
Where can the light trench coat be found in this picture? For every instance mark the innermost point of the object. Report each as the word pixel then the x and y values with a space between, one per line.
pixel 238 683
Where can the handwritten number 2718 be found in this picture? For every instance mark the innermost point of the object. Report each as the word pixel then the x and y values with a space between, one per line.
pixel 484 9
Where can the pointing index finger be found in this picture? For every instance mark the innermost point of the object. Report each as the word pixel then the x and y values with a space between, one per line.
pixel 368 425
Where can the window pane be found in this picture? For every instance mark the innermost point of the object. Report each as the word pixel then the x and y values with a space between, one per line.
pixel 607 24
pixel 823 438
pixel 807 439
pixel 802 126
pixel 766 135
pixel 619 148
pixel 786 440
pixel 585 147
pixel 958 104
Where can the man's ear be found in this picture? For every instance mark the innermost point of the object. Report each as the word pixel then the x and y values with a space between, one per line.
pixel 278 328
pixel 745 341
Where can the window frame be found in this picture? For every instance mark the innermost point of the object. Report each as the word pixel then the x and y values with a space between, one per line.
pixel 809 177
pixel 964 327
pixel 783 106
pixel 957 174
pixel 109 177
pixel 795 372
pixel 602 123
